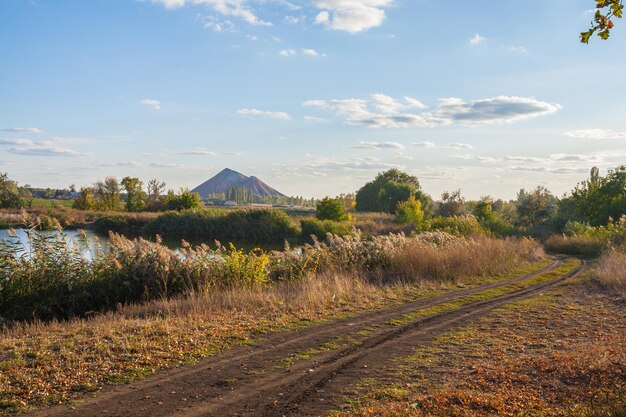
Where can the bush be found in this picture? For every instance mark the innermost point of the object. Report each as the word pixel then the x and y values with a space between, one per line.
pixel 575 245
pixel 331 209
pixel 410 212
pixel 582 239
pixel 319 229
pixel 264 225
pixel 456 225
pixel 104 225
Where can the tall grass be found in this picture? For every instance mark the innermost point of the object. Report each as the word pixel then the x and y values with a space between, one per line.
pixel 57 281
pixel 611 272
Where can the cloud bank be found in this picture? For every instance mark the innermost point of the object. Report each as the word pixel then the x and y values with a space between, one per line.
pixel 381 111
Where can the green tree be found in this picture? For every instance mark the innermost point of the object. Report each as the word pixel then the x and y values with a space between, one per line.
pixel 410 212
pixel 602 22
pixel 9 192
pixel 26 195
pixel 452 204
pixel 85 199
pixel 600 198
pixel 537 211
pixel 368 198
pixel 392 193
pixel 184 200
pixel 331 209
pixel 108 194
pixel 135 196
pixel 490 220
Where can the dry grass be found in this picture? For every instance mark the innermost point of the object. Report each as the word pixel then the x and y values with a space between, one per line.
pixel 576 245
pixel 611 272
pixel 377 224
pixel 561 354
pixel 55 362
pixel 49 363
pixel 460 258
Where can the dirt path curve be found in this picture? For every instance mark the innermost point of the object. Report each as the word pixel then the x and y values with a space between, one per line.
pixel 295 373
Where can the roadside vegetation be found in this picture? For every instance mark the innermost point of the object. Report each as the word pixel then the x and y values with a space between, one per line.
pixel 610 273
pixel 211 299
pixel 57 281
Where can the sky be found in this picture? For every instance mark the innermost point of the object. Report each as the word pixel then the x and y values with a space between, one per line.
pixel 315 97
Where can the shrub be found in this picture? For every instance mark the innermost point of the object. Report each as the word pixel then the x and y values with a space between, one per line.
pixel 575 245
pixel 331 209
pixel 410 212
pixel 264 225
pixel 456 225
pixel 104 225
pixel 185 200
pixel 319 229
pixel 582 239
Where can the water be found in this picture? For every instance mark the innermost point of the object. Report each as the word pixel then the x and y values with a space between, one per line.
pixel 91 243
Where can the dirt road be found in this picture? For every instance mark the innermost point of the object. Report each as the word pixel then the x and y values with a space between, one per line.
pixel 302 372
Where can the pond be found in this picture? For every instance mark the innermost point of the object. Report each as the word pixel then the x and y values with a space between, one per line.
pixel 90 243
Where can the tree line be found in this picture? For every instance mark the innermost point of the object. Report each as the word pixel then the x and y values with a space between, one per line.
pixel 598 201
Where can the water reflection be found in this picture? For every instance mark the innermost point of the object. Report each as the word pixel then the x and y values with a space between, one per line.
pixel 90 243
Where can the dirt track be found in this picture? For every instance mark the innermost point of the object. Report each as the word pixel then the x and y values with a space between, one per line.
pixel 269 379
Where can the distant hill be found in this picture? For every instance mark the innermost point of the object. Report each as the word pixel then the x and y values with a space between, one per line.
pixel 229 178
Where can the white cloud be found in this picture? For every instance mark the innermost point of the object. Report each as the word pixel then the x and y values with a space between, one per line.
pixel 458 146
pixel 552 170
pixel 315 119
pixel 199 152
pixel 306 52
pixel 518 50
pixel 322 18
pixel 477 40
pixel 166 165
pixel 234 8
pixel 561 157
pixel 330 164
pixel 43 148
pixel 524 159
pixel 384 111
pixel 595 134
pixel 155 104
pixel 377 145
pixel 293 20
pixel 465 156
pixel 351 16
pixel 415 103
pixel 312 53
pixel 271 114
pixel 426 144
pixel 22 130
pixel 494 110
pixel 26 142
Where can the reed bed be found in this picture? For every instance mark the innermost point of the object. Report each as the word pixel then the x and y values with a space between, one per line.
pixel 56 280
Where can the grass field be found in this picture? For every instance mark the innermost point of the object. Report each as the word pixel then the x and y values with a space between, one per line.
pixel 51 203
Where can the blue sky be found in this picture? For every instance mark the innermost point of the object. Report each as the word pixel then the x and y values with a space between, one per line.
pixel 313 96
